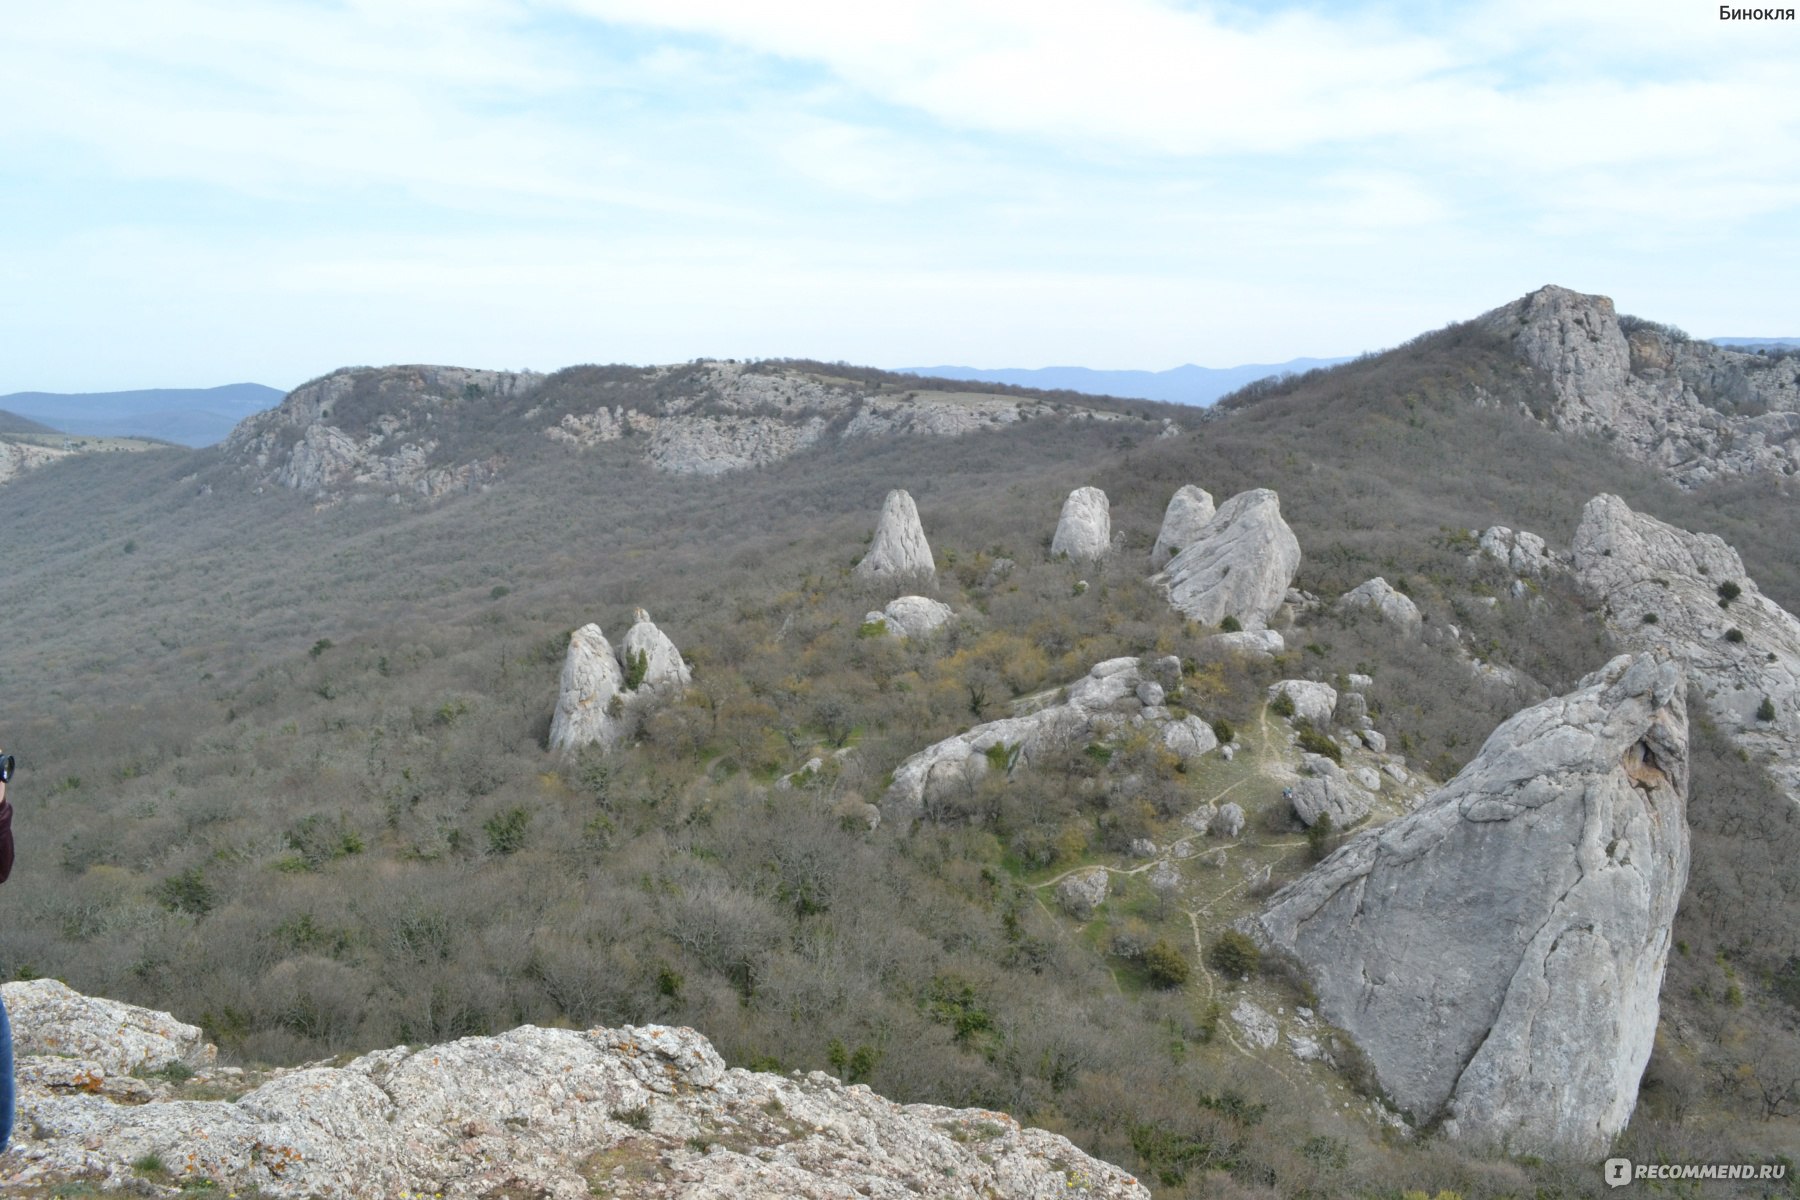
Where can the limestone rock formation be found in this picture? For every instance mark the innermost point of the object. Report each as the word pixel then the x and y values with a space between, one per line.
pixel 1101 703
pixel 1692 409
pixel 1239 565
pixel 1379 596
pixel 1083 891
pixel 712 417
pixel 1313 702
pixel 1084 532
pixel 591 681
pixel 664 668
pixel 19 457
pixel 1260 644
pixel 374 429
pixel 1190 508
pixel 912 616
pixel 49 1018
pixel 1737 654
pixel 636 1112
pixel 1189 738
pixel 899 548
pixel 1497 953
pixel 1328 789
pixel 1522 553
pixel 1230 821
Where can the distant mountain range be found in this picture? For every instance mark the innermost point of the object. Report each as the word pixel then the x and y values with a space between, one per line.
pixel 1178 385
pixel 189 416
pixel 1754 344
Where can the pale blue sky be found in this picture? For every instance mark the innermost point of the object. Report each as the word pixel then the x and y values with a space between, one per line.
pixel 195 192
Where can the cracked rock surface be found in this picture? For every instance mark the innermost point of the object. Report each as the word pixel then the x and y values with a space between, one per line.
pixel 564 1114
pixel 1498 952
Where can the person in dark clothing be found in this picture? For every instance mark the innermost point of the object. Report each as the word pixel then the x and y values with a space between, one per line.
pixel 6 1055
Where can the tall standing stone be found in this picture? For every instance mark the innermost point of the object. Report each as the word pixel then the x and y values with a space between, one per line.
pixel 591 680
pixel 899 548
pixel 1084 531
pixel 664 668
pixel 1240 565
pixel 1190 508
pixel 1498 953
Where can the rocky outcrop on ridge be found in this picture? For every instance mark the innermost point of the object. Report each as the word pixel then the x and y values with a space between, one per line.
pixel 19 457
pixel 1240 564
pixel 912 616
pixel 1084 531
pixel 391 444
pixel 899 548
pixel 636 1111
pixel 601 694
pixel 1107 699
pixel 729 416
pixel 1190 508
pixel 1692 409
pixel 1379 596
pixel 1498 953
pixel 1737 654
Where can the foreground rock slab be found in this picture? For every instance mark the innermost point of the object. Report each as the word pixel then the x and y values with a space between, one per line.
pixel 630 1112
pixel 1498 953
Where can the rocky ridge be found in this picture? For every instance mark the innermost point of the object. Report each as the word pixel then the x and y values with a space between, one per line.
pixel 636 1111
pixel 1498 953
pixel 378 429
pixel 1686 595
pixel 1693 410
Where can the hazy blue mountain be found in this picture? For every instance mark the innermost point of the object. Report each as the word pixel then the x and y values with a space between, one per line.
pixel 1755 343
pixel 190 416
pixel 1180 385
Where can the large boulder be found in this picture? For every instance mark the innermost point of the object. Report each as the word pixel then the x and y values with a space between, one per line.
pixel 1084 531
pixel 1497 953
pixel 1738 653
pixel 1520 552
pixel 899 547
pixel 1190 508
pixel 591 681
pixel 1380 597
pixel 1240 564
pixel 1327 789
pixel 1314 702
pixel 1081 892
pixel 664 668
pixel 911 616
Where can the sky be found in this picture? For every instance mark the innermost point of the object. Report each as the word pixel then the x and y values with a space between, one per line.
pixel 199 192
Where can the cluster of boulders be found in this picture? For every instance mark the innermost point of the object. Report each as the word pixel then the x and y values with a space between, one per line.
pixel 1497 953
pixel 636 1111
pixel 603 693
pixel 1117 694
pixel 899 552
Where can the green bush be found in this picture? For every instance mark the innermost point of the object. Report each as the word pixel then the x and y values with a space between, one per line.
pixel 1223 731
pixel 1766 710
pixel 1729 591
pixel 186 892
pixel 1318 838
pixel 1282 705
pixel 506 831
pixel 1651 618
pixel 1231 624
pixel 1734 635
pixel 1166 964
pixel 1314 742
pixel 636 667
pixel 1234 954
